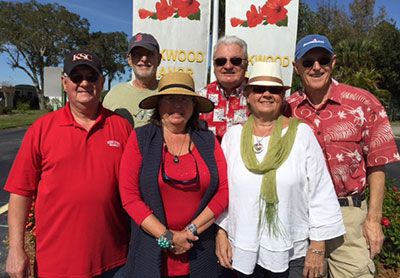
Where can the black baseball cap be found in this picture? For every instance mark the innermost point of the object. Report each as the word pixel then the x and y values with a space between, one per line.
pixel 82 57
pixel 144 40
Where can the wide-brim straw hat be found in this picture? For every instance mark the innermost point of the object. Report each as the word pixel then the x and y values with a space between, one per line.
pixel 177 83
pixel 266 74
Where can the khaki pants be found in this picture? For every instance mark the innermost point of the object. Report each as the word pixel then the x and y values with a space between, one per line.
pixel 348 256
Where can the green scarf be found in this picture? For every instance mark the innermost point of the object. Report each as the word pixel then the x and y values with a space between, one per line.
pixel 279 148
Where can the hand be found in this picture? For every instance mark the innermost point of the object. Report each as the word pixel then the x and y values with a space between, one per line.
pixel 372 231
pixel 183 241
pixel 314 263
pixel 17 265
pixel 223 249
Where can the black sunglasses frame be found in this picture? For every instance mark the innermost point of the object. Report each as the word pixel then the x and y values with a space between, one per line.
pixel 78 78
pixel 271 89
pixel 172 181
pixel 323 61
pixel 221 61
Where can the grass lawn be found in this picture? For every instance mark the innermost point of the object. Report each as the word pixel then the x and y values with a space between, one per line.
pixel 17 120
pixel 397 123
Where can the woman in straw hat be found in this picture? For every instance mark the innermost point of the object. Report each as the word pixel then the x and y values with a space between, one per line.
pixel 282 204
pixel 173 184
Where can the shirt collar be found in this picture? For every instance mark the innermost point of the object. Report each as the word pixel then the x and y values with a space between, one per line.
pixel 334 94
pixel 237 92
pixel 68 120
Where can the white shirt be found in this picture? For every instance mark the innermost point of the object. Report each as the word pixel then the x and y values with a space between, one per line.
pixel 307 208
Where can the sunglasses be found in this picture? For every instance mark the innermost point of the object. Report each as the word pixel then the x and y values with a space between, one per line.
pixel 78 78
pixel 263 89
pixel 172 181
pixel 236 61
pixel 323 61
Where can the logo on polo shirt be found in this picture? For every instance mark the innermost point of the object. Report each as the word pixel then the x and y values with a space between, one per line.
pixel 113 143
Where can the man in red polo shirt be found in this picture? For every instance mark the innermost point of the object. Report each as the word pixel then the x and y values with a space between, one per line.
pixel 354 132
pixel 230 65
pixel 69 160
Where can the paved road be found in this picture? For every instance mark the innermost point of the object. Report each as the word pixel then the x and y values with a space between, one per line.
pixel 11 139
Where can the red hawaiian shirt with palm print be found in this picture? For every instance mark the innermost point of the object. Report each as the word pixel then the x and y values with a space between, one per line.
pixel 228 110
pixel 354 132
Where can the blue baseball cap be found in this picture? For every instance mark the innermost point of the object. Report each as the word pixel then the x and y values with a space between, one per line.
pixel 312 41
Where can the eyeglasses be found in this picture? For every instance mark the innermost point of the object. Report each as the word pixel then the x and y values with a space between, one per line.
pixel 263 89
pixel 236 61
pixel 172 181
pixel 323 61
pixel 78 78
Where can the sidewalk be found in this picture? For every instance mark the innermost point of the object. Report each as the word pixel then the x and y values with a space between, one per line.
pixel 396 131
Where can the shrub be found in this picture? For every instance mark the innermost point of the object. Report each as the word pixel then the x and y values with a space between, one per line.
pixel 22 107
pixel 5 110
pixel 390 253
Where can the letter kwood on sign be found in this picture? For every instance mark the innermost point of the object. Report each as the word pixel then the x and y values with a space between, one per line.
pixel 162 71
pixel 182 55
pixel 283 61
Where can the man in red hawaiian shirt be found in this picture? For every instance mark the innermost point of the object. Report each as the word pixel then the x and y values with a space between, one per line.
pixel 354 132
pixel 230 65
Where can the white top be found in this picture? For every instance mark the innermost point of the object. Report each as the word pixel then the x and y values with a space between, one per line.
pixel 307 208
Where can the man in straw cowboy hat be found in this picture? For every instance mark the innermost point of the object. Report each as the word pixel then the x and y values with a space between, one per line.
pixel 353 130
pixel 278 186
pixel 144 58
pixel 173 184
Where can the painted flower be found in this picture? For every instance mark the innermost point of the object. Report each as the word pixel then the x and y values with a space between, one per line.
pixel 186 7
pixel 254 17
pixel 385 221
pixel 143 13
pixel 236 21
pixel 275 10
pixel 164 10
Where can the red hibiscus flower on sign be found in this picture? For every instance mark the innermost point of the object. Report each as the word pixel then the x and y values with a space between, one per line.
pixel 164 10
pixel 275 10
pixel 385 221
pixel 236 21
pixel 254 17
pixel 143 13
pixel 186 7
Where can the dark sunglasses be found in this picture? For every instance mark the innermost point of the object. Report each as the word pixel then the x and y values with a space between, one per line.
pixel 323 61
pixel 78 78
pixel 236 61
pixel 172 181
pixel 263 89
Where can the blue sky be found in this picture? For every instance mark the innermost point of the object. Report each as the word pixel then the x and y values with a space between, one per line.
pixel 116 16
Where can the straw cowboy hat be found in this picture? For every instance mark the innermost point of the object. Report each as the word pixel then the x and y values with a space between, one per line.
pixel 266 74
pixel 177 83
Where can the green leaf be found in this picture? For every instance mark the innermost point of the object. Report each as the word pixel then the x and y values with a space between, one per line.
pixel 282 22
pixel 195 16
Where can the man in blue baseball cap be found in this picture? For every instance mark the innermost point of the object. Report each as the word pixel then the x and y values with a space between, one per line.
pixel 353 130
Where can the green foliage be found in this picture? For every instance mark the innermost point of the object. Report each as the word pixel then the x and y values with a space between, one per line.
pixel 111 47
pixel 5 110
pixel 22 107
pixel 390 254
pixel 38 35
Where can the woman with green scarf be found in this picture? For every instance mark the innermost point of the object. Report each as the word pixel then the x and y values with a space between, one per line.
pixel 282 204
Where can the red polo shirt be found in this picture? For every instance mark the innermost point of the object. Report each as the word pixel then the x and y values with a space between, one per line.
pixel 82 229
pixel 354 132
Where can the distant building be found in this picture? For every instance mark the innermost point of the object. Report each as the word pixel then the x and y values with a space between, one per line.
pixel 11 95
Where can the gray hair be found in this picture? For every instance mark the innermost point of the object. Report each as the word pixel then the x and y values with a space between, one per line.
pixel 231 40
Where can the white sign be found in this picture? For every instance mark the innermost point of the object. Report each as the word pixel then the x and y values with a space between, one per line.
pixel 268 27
pixel 182 31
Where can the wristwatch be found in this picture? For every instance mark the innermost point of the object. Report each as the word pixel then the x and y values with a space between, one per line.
pixel 193 228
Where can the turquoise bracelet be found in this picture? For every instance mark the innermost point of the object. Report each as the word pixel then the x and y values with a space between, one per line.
pixel 165 240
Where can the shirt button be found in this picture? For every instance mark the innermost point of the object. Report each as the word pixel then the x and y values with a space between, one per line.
pixel 318 113
pixel 319 132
